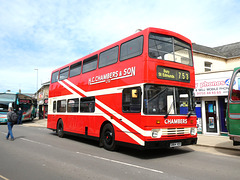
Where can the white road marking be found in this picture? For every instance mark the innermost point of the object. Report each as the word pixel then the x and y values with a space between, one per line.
pixel 120 162
pixel 36 142
pixel 2 177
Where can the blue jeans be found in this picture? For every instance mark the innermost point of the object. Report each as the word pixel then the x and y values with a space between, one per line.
pixel 10 126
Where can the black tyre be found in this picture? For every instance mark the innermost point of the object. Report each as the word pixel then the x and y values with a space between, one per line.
pixel 60 131
pixel 108 137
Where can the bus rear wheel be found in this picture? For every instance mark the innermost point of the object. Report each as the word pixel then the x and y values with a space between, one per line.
pixel 108 138
pixel 60 131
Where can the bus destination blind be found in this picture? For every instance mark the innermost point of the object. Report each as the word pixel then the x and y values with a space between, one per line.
pixel 172 74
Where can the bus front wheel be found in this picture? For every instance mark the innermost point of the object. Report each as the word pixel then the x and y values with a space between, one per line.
pixel 108 137
pixel 60 131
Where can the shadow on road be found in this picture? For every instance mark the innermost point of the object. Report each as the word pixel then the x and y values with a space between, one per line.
pixel 141 154
pixel 154 153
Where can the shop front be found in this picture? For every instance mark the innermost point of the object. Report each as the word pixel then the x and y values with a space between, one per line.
pixel 42 100
pixel 43 109
pixel 211 96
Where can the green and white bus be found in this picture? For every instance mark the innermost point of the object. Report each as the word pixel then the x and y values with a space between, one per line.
pixel 233 108
pixel 17 100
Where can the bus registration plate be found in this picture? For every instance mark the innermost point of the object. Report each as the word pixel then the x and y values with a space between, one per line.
pixel 176 144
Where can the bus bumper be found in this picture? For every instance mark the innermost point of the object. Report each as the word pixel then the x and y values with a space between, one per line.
pixel 170 143
pixel 235 139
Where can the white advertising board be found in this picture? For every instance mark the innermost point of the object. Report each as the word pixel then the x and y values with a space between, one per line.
pixel 211 86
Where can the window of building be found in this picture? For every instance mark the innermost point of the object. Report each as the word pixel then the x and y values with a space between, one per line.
pixel 131 100
pixel 75 69
pixel 73 105
pixel 108 57
pixel 87 104
pixel 131 48
pixel 90 64
pixel 54 77
pixel 61 106
pixel 64 73
pixel 207 66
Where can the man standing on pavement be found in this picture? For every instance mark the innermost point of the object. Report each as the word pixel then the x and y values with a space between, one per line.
pixel 19 121
pixel 10 123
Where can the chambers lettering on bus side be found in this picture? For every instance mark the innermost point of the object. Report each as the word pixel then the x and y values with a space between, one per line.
pixel 175 121
pixel 127 72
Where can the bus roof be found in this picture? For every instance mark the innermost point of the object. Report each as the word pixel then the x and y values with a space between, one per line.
pixel 143 32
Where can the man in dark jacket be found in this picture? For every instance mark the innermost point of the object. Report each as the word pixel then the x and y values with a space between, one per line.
pixel 20 113
pixel 10 124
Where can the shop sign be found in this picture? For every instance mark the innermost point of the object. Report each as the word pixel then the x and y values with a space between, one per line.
pixel 212 87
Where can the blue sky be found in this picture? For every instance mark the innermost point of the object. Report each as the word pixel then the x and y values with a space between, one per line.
pixel 46 34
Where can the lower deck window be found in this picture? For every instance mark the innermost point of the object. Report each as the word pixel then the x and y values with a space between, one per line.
pixel 131 100
pixel 54 106
pixel 73 105
pixel 87 104
pixel 61 106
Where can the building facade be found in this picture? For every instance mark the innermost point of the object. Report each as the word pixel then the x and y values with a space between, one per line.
pixel 42 101
pixel 213 70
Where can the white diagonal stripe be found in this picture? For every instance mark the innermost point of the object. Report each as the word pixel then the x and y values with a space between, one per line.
pixel 126 121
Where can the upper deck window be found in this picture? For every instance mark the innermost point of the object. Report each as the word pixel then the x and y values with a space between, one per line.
pixel 90 64
pixel 108 57
pixel 64 73
pixel 131 48
pixel 169 48
pixel 75 69
pixel 54 77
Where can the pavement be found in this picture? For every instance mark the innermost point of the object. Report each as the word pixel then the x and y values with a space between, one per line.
pixel 36 123
pixel 213 141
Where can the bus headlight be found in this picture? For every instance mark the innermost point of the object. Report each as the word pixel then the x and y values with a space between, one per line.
pixel 156 133
pixel 193 131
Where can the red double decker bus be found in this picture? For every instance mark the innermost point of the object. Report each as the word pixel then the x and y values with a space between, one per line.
pixel 137 91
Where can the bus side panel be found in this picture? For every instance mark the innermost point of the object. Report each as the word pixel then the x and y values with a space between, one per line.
pixel 234 127
pixel 51 122
pixel 233 111
pixel 128 137
pixel 234 124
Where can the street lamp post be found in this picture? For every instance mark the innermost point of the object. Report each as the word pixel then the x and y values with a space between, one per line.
pixel 37 78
